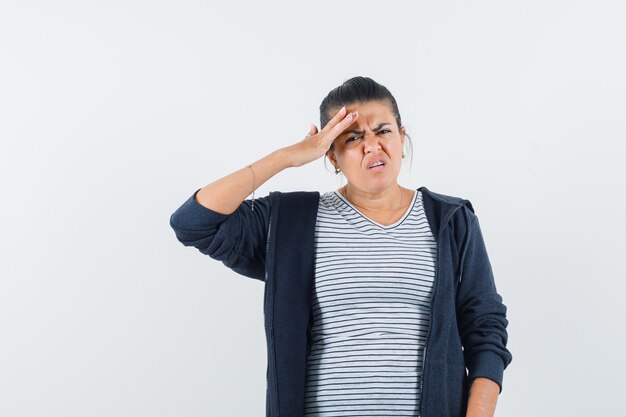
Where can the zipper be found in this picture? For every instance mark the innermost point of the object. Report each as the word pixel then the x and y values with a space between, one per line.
pixel 432 297
pixel 270 348
pixel 265 329
pixel 430 322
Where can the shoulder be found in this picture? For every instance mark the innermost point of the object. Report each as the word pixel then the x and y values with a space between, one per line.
pixel 293 196
pixel 292 203
pixel 446 198
pixel 442 209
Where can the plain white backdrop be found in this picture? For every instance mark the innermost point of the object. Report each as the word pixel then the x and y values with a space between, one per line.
pixel 113 113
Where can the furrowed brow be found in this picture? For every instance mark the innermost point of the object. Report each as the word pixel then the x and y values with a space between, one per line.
pixel 358 132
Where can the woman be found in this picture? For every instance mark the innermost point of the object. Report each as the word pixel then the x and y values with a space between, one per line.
pixel 379 299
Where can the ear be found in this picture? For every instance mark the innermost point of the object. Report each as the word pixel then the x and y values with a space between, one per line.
pixel 402 136
pixel 331 155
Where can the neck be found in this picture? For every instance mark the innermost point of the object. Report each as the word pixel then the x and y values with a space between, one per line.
pixel 385 201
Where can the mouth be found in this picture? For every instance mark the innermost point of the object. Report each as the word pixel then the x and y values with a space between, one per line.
pixel 376 166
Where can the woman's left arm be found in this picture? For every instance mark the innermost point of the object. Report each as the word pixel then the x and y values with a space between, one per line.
pixel 483 395
pixel 481 317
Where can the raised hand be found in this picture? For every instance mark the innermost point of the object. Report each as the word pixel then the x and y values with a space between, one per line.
pixel 316 144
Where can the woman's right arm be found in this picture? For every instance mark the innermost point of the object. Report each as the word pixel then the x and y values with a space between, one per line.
pixel 227 193
pixel 219 222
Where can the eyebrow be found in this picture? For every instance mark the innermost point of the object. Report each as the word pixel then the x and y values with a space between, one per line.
pixel 358 132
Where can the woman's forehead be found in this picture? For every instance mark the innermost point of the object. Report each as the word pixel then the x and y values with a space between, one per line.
pixel 371 111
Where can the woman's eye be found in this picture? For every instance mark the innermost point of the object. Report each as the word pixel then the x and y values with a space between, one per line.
pixel 356 137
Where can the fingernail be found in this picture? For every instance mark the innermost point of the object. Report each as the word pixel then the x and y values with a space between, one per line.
pixel 342 109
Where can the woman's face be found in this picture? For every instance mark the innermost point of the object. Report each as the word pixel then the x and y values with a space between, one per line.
pixel 373 136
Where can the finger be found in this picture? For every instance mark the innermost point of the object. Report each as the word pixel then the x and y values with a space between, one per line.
pixel 312 130
pixel 344 124
pixel 335 119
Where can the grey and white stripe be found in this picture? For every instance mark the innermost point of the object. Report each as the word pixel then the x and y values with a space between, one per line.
pixel 371 304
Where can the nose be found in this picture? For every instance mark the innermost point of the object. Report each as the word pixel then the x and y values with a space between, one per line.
pixel 370 145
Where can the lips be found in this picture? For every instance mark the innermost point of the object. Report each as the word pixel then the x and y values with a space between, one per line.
pixel 369 165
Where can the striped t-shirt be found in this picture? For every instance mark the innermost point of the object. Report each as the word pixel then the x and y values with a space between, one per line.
pixel 371 301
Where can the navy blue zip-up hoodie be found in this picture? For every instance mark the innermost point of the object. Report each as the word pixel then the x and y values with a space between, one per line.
pixel 274 243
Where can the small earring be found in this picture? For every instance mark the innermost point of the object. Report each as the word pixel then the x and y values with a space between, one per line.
pixel 402 154
pixel 337 170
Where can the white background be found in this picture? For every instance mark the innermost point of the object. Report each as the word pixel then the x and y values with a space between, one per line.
pixel 113 113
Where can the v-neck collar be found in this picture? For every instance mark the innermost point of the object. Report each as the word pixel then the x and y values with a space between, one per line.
pixel 390 226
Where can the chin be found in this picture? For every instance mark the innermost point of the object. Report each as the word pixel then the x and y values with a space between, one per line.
pixel 380 184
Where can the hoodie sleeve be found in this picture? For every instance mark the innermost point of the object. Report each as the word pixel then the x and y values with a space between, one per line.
pixel 238 239
pixel 480 312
